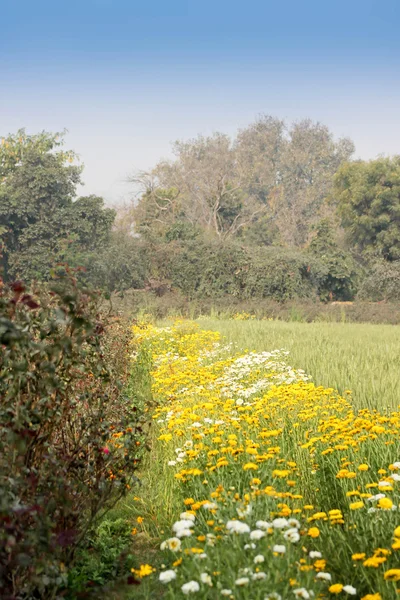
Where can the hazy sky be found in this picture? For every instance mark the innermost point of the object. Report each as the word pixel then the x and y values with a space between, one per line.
pixel 127 77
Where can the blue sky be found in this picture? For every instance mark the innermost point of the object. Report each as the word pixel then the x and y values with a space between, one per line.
pixel 126 78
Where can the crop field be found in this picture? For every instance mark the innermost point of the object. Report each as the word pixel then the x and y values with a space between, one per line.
pixel 363 358
pixel 263 481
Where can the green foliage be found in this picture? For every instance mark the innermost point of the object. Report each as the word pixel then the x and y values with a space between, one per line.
pixel 61 467
pixel 368 196
pixel 40 224
pixel 340 277
pixel 105 557
pixel 382 283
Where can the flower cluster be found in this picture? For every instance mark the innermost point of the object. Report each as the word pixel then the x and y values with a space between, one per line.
pixel 287 491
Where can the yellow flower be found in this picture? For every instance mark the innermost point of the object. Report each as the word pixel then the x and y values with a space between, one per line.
pixel 356 505
pixel 249 466
pixel 374 561
pixel 143 571
pixel 313 532
pixel 397 532
pixel 385 503
pixel 376 596
pixel 358 556
pixel 336 588
pixel 392 575
pixel 139 520
pixel 363 467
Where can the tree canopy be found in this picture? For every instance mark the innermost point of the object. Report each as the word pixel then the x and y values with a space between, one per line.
pixel 42 222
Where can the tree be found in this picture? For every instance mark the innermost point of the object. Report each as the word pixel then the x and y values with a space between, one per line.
pixel 205 186
pixel 368 198
pixel 41 223
pixel 273 178
pixel 340 273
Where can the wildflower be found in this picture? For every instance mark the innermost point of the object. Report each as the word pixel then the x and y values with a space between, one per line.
pixel 385 503
pixel 363 467
pixel 392 575
pixel 139 520
pixel 250 466
pixel 302 593
pixel 279 549
pixel 257 534
pixel 259 559
pixel 167 576
pixel 356 505
pixel 324 576
pixel 374 561
pixel 280 523
pixel 188 516
pixel 313 532
pixel 397 532
pixel 143 571
pixel 349 589
pixel 336 588
pixel 263 525
pixel 205 578
pixel 315 554
pixel 173 544
pixel 358 556
pixel 292 535
pixel 237 527
pixel 376 596
pixel 242 581
pixel 259 576
pixel 190 587
pixel 226 592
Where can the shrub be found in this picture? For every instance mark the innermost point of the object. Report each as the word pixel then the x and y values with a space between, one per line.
pixel 383 283
pixel 68 445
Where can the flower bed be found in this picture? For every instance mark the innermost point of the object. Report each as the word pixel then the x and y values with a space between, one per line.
pixel 286 490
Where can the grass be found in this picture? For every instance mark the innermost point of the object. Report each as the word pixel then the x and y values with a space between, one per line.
pixel 363 358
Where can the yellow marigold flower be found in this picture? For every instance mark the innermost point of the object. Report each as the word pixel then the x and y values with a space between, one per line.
pixel 392 575
pixel 320 564
pixel 385 503
pixel 336 588
pixel 363 467
pixel 374 561
pixel 397 532
pixel 280 473
pixel 139 520
pixel 143 571
pixel 396 544
pixel 313 532
pixel 249 466
pixel 177 562
pixel 188 501
pixel 358 556
pixel 376 596
pixel 356 505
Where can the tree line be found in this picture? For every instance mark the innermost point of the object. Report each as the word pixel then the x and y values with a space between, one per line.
pixel 281 211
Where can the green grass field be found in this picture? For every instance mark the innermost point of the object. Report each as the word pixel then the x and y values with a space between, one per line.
pixel 362 358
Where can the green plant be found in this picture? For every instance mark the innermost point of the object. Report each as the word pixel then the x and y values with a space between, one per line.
pixel 68 436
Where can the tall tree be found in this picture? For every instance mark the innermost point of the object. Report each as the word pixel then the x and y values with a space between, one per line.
pixel 271 178
pixel 40 223
pixel 368 199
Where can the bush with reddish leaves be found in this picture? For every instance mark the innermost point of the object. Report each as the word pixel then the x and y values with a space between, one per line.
pixel 68 437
